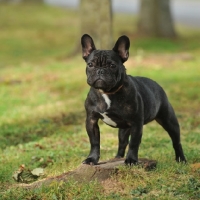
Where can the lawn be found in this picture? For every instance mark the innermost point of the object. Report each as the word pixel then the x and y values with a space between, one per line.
pixel 42 117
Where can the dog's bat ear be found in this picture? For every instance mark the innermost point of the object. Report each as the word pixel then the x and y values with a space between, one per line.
pixel 122 47
pixel 87 46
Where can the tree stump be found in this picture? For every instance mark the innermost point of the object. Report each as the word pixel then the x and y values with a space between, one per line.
pixel 86 173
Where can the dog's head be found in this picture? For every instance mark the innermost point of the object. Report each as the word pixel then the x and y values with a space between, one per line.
pixel 105 69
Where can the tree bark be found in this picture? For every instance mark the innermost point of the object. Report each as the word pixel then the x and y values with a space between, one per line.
pixel 96 20
pixel 155 18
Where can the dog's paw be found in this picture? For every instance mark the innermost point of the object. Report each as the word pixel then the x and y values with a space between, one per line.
pixel 90 161
pixel 181 159
pixel 130 161
pixel 131 158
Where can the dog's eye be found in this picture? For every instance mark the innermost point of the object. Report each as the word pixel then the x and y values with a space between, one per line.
pixel 112 65
pixel 90 65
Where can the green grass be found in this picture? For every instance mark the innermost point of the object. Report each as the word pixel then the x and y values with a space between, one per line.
pixel 29 33
pixel 42 93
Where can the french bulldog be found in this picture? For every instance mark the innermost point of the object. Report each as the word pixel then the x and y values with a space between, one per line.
pixel 123 101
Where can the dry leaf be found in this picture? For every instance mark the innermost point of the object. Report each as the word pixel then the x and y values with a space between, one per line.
pixel 24 175
pixel 38 172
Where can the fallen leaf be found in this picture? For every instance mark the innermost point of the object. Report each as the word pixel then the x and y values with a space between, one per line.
pixel 24 175
pixel 16 175
pixel 38 172
pixel 39 146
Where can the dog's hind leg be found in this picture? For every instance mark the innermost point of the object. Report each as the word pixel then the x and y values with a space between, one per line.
pixel 123 139
pixel 167 119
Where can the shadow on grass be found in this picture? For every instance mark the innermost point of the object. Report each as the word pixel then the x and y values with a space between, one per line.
pixel 27 131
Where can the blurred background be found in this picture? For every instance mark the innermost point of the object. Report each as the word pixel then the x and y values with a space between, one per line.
pixel 55 26
pixel 185 12
pixel 41 38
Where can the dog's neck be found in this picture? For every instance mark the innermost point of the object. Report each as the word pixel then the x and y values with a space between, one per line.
pixel 113 92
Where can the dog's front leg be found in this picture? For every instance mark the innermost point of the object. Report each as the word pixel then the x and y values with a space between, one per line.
pixel 123 137
pixel 135 139
pixel 94 136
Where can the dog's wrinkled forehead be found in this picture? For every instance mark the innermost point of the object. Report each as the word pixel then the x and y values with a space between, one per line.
pixel 102 58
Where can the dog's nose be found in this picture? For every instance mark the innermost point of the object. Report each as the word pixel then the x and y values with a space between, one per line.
pixel 100 71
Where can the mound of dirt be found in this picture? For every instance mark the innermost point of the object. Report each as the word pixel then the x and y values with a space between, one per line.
pixel 86 173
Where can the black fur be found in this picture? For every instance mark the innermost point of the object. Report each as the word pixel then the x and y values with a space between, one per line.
pixel 134 101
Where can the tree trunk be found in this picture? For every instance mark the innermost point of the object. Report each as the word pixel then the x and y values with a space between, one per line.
pixel 155 18
pixel 96 20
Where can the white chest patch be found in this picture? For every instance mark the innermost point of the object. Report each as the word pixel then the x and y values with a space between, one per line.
pixel 106 119
pixel 107 100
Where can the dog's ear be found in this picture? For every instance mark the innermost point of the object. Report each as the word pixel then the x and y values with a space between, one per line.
pixel 122 47
pixel 87 46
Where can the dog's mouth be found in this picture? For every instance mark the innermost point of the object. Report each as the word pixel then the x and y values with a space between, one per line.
pixel 100 84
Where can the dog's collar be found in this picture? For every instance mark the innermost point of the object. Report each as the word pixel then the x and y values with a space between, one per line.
pixel 102 92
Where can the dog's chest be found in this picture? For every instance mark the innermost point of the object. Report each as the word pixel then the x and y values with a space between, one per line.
pixel 105 116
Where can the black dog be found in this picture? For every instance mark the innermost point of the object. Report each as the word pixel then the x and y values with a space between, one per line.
pixel 123 102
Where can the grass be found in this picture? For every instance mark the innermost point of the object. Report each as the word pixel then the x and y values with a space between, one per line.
pixel 42 114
